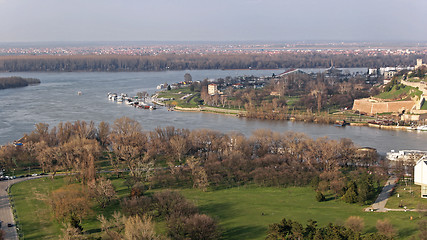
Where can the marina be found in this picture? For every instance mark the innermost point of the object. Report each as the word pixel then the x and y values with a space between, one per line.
pixel 136 101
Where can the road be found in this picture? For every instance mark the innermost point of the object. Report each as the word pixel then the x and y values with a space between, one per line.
pixel 6 210
pixel 379 205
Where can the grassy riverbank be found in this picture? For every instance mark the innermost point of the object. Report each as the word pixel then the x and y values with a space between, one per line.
pixel 243 213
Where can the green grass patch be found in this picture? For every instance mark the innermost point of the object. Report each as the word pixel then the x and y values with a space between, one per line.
pixel 292 101
pixel 35 217
pixel 403 92
pixel 409 196
pixel 246 212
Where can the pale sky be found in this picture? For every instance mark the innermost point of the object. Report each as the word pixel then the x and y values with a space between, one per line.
pixel 213 20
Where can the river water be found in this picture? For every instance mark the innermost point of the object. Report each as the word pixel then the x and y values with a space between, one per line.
pixel 55 100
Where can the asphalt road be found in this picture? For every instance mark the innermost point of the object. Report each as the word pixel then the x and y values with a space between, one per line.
pixel 5 208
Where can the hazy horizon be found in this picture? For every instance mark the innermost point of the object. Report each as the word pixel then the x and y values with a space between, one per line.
pixel 24 21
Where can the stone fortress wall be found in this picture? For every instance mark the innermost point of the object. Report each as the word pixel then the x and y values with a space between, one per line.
pixel 371 106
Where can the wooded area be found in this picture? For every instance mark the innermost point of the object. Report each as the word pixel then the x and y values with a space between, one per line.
pixel 113 63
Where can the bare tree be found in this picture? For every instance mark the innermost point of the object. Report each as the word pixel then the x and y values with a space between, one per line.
pixel 102 190
pixel 386 228
pixel 355 223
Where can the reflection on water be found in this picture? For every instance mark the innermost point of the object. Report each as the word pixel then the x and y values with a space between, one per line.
pixel 56 100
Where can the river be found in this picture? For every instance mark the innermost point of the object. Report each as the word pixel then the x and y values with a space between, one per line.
pixel 55 100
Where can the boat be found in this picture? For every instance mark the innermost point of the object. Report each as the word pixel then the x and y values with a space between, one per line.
pixel 340 123
pixel 422 128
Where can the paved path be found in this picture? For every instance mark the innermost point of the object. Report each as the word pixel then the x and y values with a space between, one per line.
pixel 6 210
pixel 379 205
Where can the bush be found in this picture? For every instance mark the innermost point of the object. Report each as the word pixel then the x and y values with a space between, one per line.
pixel 355 223
pixel 385 228
pixel 197 226
pixel 320 197
pixel 171 204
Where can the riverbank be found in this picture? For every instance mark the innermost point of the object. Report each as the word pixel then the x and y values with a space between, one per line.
pixel 301 118
pixel 211 110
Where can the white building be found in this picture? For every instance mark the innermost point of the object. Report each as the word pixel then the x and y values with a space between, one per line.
pixel 212 89
pixel 406 155
pixel 420 175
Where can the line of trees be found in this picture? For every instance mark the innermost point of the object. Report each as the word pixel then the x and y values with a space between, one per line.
pixel 170 157
pixel 289 229
pixel 161 62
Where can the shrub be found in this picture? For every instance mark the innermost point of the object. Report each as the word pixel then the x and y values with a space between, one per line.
pixel 355 223
pixel 385 228
pixel 320 197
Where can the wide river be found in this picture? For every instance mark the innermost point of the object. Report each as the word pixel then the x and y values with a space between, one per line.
pixel 55 100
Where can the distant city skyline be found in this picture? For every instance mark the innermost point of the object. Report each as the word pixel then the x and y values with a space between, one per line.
pixel 213 21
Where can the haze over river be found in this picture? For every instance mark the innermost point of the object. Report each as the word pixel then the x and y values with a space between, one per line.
pixel 55 100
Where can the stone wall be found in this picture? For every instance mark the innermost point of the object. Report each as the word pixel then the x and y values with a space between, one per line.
pixel 371 107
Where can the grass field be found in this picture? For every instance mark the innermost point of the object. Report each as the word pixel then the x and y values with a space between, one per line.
pixel 409 196
pixel 243 213
pixel 190 102
pixel 36 217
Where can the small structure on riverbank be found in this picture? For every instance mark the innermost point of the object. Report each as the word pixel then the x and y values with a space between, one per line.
pixel 420 175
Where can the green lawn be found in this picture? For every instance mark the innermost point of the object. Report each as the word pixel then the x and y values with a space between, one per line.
pixel 243 213
pixel 190 102
pixel 246 212
pixel 409 196
pixel 291 101
pixel 403 92
pixel 36 217
pixel 31 203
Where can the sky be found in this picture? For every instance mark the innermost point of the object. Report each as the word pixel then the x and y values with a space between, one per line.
pixel 213 20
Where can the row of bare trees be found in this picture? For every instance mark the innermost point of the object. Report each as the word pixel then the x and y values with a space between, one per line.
pixel 176 157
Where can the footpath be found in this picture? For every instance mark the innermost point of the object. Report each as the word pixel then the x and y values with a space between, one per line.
pixel 379 204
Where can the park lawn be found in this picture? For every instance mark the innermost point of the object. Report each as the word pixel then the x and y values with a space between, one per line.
pixel 246 212
pixel 409 196
pixel 243 213
pixel 34 216
pixel 174 93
